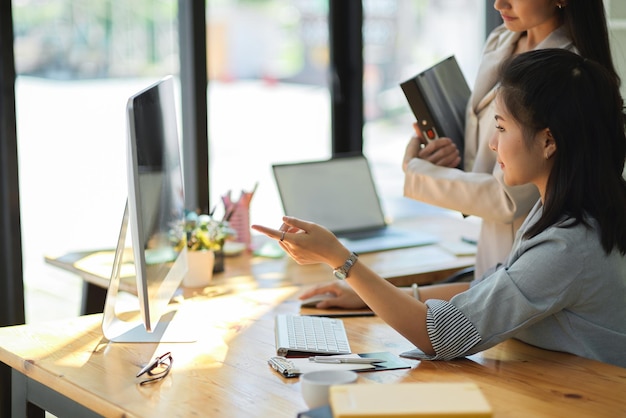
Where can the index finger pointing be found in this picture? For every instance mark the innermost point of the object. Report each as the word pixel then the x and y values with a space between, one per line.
pixel 270 232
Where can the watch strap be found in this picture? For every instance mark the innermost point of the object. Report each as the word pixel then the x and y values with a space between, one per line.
pixel 342 271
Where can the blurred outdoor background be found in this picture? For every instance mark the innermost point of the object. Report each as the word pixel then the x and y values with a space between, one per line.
pixel 78 62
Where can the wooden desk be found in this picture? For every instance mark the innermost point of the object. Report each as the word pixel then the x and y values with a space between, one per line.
pixel 422 265
pixel 67 368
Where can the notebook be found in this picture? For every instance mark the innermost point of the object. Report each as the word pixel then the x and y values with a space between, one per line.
pixel 427 400
pixel 438 97
pixel 340 194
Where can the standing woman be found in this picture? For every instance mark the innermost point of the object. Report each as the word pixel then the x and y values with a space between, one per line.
pixel 560 128
pixel 574 25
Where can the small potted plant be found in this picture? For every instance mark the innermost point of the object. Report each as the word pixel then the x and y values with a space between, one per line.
pixel 204 233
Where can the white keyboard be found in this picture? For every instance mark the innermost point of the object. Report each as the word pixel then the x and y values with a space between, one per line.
pixel 316 335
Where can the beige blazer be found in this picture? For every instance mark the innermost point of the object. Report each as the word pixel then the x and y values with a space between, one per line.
pixel 480 190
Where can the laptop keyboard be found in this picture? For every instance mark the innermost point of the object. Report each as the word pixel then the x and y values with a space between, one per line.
pixel 354 236
pixel 301 335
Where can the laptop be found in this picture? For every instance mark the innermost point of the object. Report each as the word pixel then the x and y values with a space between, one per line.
pixel 340 194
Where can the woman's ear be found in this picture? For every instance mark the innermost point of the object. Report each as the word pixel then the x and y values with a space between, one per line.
pixel 549 145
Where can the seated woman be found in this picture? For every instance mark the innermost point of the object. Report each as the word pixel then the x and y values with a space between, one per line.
pixel 560 126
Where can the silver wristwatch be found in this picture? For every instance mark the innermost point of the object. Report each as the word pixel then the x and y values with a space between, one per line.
pixel 342 272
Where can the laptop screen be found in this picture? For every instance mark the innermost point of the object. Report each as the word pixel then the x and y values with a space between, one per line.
pixel 339 193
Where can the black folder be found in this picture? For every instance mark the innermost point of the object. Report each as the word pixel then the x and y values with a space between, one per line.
pixel 438 97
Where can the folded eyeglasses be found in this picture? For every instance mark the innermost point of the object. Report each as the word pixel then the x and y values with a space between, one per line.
pixel 157 369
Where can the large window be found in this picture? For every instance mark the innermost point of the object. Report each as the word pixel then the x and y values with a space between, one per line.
pixel 268 95
pixel 268 102
pixel 402 38
pixel 78 61
pixel 268 91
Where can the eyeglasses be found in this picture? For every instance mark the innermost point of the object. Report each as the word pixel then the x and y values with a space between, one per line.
pixel 157 369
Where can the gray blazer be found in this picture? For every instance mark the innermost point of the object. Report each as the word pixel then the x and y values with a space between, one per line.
pixel 558 290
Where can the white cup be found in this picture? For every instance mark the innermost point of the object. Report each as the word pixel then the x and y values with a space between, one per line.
pixel 315 385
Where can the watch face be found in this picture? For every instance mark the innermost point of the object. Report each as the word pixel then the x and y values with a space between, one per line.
pixel 340 274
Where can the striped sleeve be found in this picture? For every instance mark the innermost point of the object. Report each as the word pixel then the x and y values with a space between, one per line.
pixel 451 334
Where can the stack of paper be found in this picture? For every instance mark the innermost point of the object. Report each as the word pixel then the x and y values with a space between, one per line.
pixel 409 400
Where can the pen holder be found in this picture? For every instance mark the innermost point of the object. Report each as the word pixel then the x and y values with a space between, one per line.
pixel 238 217
pixel 240 222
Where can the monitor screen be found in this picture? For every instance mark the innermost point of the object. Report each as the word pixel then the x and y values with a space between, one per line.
pixel 155 197
pixel 154 213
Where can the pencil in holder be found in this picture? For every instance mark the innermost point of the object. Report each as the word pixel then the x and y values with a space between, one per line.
pixel 238 215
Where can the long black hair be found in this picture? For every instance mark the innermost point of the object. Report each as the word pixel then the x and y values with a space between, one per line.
pixel 579 101
pixel 585 23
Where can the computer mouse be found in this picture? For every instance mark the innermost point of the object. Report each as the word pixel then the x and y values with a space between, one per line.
pixel 314 300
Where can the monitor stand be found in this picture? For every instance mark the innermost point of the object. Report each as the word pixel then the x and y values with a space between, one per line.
pixel 115 329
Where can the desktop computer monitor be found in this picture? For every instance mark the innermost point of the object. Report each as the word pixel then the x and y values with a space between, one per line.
pixel 154 218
